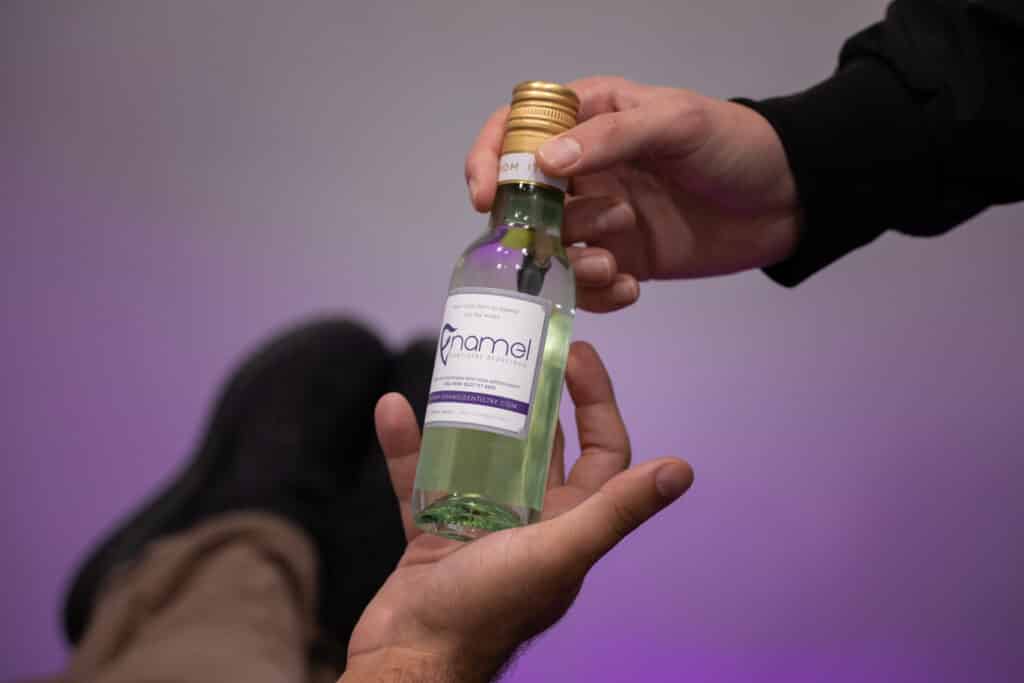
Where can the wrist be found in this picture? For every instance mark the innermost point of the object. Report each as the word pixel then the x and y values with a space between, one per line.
pixel 766 173
pixel 406 665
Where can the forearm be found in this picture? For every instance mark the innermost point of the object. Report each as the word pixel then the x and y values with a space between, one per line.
pixel 915 132
pixel 401 665
pixel 860 159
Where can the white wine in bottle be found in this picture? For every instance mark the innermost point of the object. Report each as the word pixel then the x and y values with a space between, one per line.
pixel 504 339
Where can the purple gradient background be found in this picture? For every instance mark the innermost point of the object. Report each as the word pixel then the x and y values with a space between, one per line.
pixel 178 179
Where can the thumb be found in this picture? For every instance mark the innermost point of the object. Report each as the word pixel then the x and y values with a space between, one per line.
pixel 672 126
pixel 580 537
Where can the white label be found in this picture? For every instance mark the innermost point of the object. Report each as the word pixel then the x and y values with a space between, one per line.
pixel 487 360
pixel 521 167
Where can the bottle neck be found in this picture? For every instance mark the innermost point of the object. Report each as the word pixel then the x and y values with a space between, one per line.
pixel 524 204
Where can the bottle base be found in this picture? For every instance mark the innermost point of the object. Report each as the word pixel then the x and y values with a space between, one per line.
pixel 466 516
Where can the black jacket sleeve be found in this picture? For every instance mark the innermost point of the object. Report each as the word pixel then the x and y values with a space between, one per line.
pixel 920 128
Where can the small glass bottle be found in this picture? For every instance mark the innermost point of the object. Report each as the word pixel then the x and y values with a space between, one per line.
pixel 504 339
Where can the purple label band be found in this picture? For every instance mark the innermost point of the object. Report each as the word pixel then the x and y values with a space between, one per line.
pixel 476 399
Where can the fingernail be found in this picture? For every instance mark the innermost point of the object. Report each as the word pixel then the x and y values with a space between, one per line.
pixel 615 218
pixel 626 290
pixel 671 481
pixel 560 152
pixel 472 191
pixel 593 268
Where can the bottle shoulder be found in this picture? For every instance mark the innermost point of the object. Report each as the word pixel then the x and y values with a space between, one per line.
pixel 518 259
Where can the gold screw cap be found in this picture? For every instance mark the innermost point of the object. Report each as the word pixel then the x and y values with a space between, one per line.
pixel 540 110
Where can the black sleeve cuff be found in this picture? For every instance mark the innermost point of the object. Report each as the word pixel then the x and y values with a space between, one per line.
pixel 859 152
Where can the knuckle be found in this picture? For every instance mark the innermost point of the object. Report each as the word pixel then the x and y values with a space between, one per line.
pixel 621 518
pixel 603 90
pixel 613 81
pixel 594 82
pixel 610 127
pixel 689 117
pixel 627 450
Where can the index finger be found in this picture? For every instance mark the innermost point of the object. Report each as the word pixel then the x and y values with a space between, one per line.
pixel 399 438
pixel 598 94
pixel 604 443
pixel 605 94
pixel 482 161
